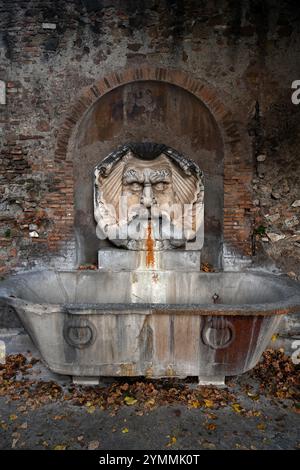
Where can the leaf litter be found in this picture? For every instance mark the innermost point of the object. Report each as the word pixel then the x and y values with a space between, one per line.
pixel 276 375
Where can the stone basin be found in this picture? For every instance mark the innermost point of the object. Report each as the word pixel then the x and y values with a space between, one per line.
pixel 89 324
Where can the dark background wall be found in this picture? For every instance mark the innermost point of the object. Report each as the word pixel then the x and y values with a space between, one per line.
pixel 51 50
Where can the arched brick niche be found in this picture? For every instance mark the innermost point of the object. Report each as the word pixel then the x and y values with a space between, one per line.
pixel 170 107
pixel 157 112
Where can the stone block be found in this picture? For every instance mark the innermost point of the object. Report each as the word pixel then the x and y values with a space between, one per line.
pixel 2 92
pixel 129 260
pixel 49 26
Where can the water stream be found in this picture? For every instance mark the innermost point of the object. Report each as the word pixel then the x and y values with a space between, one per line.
pixel 147 286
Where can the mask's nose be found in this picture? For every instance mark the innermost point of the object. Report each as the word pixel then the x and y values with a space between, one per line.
pixel 147 198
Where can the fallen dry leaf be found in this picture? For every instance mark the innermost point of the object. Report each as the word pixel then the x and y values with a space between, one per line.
pixel 211 416
pixel 237 407
pixel 172 441
pixel 84 267
pixel 150 403
pixel 251 413
pixel 261 426
pixel 91 409
pixel 207 268
pixel 93 445
pixel 14 443
pixel 253 396
pixel 130 401
pixel 58 417
pixel 207 445
pixel 208 403
pixel 195 404
pixel 60 447
pixel 210 426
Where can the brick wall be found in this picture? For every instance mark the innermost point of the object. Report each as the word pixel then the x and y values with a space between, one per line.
pixel 57 58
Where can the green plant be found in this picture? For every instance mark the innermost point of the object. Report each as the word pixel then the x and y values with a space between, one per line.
pixel 7 233
pixel 261 230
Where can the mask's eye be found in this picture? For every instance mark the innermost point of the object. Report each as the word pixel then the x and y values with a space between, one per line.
pixel 135 186
pixel 160 186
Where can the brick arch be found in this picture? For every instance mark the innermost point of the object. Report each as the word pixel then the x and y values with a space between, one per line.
pixel 238 167
pixel 207 95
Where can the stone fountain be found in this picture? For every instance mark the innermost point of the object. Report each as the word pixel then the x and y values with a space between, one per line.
pixel 149 200
pixel 148 309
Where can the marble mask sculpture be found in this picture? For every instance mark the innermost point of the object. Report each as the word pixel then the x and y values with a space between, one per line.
pixel 148 191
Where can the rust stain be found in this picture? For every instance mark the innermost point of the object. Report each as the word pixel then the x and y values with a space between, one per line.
pixel 149 245
pixel 239 353
pixel 222 312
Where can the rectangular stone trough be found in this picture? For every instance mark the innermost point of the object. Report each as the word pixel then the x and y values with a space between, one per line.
pixel 89 324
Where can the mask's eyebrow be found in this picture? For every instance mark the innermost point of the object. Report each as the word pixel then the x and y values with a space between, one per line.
pixel 161 176
pixel 133 176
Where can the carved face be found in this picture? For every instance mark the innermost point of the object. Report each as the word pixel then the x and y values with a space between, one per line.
pixel 148 183
pixel 165 192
